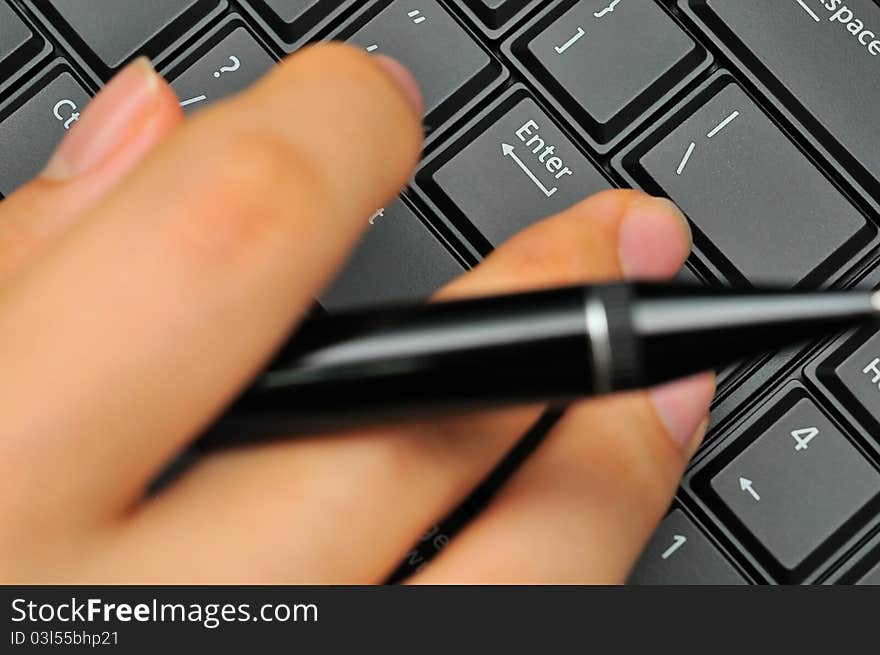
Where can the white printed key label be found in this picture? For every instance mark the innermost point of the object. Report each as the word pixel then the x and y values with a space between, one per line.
pixel 803 437
pixel 538 160
pixel 838 13
pixel 67 112
pixel 872 370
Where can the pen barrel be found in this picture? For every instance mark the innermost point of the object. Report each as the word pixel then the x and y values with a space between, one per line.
pixel 380 366
pixel 681 331
pixel 545 347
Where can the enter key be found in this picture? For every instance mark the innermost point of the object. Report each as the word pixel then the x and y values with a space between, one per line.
pixel 506 174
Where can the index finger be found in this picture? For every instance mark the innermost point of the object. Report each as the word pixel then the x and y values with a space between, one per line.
pixel 144 321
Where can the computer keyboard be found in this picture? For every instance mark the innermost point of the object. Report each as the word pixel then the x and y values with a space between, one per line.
pixel 758 118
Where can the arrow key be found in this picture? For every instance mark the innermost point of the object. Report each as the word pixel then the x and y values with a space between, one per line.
pixel 796 487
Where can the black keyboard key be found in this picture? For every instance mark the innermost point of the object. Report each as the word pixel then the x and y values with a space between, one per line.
pixel 496 12
pixel 819 58
pixel 680 554
pixel 29 135
pixel 13 31
pixel 855 378
pixel 442 56
pixel 513 172
pixel 117 30
pixel 291 11
pixel 872 577
pixel 398 259
pixel 863 568
pixel 18 43
pixel 763 209
pixel 796 486
pixel 230 66
pixel 610 66
pixel 687 276
pixel 293 19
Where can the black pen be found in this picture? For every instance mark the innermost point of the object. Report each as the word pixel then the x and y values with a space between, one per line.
pixel 551 346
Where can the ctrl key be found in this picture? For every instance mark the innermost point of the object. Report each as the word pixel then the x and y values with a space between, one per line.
pixel 31 130
pixel 679 553
pixel 796 486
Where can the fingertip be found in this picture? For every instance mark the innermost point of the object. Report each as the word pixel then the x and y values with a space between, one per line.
pixel 168 104
pixel 105 126
pixel 655 239
pixel 144 135
pixel 682 407
pixel 405 81
pixel 349 114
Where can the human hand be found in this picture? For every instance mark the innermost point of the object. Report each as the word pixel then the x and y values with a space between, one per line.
pixel 155 266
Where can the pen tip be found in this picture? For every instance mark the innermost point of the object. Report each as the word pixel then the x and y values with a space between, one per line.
pixel 875 301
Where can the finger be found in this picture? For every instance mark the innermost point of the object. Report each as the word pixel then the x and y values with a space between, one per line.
pixel 124 122
pixel 581 509
pixel 610 236
pixel 187 277
pixel 382 488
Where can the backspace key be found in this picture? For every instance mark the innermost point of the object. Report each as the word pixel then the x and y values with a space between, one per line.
pixel 821 58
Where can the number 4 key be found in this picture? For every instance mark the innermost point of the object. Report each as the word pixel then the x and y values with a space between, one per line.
pixel 804 437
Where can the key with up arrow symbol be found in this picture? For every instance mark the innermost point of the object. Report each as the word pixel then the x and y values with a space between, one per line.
pixel 513 167
pixel 509 151
pixel 747 485
pixel 795 501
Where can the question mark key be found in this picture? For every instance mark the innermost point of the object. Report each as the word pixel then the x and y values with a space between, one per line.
pixel 227 68
pixel 233 65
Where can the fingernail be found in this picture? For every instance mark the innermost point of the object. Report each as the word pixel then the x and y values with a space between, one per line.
pixel 119 109
pixel 655 239
pixel 682 406
pixel 405 81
